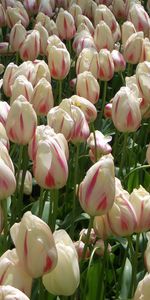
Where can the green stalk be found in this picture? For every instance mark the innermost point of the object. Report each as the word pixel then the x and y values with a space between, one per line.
pixel 134 260
pixel 103 101
pixel 123 153
pixel 53 210
pixel 4 208
pixel 93 130
pixel 41 203
pixel 122 78
pixel 103 272
pixel 60 92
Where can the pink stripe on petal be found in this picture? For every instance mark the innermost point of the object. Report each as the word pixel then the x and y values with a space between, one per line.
pixel 102 204
pixel 91 186
pixel 49 180
pixel 25 244
pixel 48 265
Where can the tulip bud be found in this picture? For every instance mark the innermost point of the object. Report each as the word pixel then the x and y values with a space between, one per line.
pixel 108 111
pixel 142 290
pixel 103 13
pixel 21 122
pixel 126 113
pixel 87 86
pixel 8 292
pixel 127 30
pixel 15 14
pixel 22 87
pixel 17 36
pixel 103 37
pixel 27 188
pixel 30 234
pixel 79 245
pixel 4 109
pixel 50 165
pixel 58 62
pixel 46 8
pixel 139 17
pixel 12 272
pixel 3 136
pixel 83 236
pixel 140 200
pixel 65 24
pixel 106 65
pixel 30 47
pixel 86 106
pixel 99 145
pixel 88 61
pixel 9 77
pixel 117 36
pixel 94 196
pixel 133 48
pixel 2 16
pixel 120 8
pixel 119 61
pixel 43 37
pixel 55 282
pixel 101 227
pixel 42 98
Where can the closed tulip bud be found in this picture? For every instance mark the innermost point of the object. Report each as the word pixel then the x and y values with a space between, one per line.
pixel 30 234
pixel 81 3
pixel 30 47
pixel 55 282
pixel 126 113
pixel 15 14
pixel 58 62
pixel 12 272
pixel 79 245
pixel 120 9
pixel 7 180
pixel 103 37
pixel 75 10
pixel 8 292
pixel 43 37
pixel 65 24
pixel 86 106
pixel 42 98
pixel 127 30
pixel 140 200
pixel 87 86
pixel 27 188
pixel 119 61
pixel 50 165
pixel 103 13
pixel 4 109
pixel 101 227
pixel 139 17
pixel 63 144
pixel 2 16
pixel 88 61
pixel 133 48
pixel 94 196
pixel 22 87
pixel 99 145
pixel 3 136
pixel 21 122
pixel 106 65
pixel 142 290
pixel 108 111
pixel 148 154
pixel 17 36
pixel 142 77
pixel 60 121
pixel 85 20
pixel 145 53
pixel 46 8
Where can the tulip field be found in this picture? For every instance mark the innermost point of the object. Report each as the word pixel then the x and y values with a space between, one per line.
pixel 74 150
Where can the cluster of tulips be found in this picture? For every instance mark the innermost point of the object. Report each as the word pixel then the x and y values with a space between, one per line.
pixel 74 146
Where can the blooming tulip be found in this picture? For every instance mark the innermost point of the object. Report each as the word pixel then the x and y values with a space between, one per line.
pixel 103 37
pixel 87 86
pixel 58 62
pixel 81 129
pixel 65 24
pixel 30 47
pixel 31 6
pixel 82 40
pixel 120 9
pixel 8 292
pixel 86 106
pixel 30 234
pixel 46 7
pixel 48 24
pixel 75 10
pixel 106 65
pixel 22 87
pixel 84 20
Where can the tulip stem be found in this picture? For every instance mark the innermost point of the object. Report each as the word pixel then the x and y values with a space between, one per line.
pixel 24 169
pixel 87 238
pixel 103 101
pixel 41 203
pixel 4 208
pixel 134 259
pixel 123 153
pixel 94 135
pixel 53 209
pixel 122 78
pixel 60 92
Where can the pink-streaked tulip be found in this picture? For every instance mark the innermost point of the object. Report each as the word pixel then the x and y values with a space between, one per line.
pixel 60 121
pixel 43 37
pixel 142 290
pixel 8 292
pixel 90 8
pixel 108 111
pixel 81 129
pixel 101 227
pixel 41 71
pixel 17 36
pixel 119 190
pixel 142 77
pixel 30 47
pixel 100 247
pixel 48 24
pixel 88 87
pixel 4 109
pixel 82 40
pixel 54 40
pixel 15 14
pixel 117 35
pixel 119 61
pixel 63 144
pixel 106 65
pixel 50 165
pixel 148 154
pixel 139 17
pixel 4 155
pixel 81 3
pixel 84 20
pixel 94 195
pixel 66 25
pixel 145 54
pixel 27 188
pixel 31 6
pixel 79 245
pixel 46 7
pixel 3 136
pixel 88 61
pixel 126 113
pixel 127 30
pixel 23 87
pixel 103 37
pixel 75 10
pixel 99 145
pixel 21 121
pixel 5 48
pixel 103 13
pixel 58 62
pixel 120 9
pixel 86 106
pixel 140 200
pixel 30 234
pixel 55 282
pixel 2 16
pixel 83 236
pixel 42 98
pixel 133 48
pixel 7 180
pixel 12 272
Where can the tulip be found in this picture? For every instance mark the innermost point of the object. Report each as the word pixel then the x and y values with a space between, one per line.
pixel 142 290
pixel 86 106
pixel 142 77
pixel 108 111
pixel 75 10
pixel 94 196
pixel 65 24
pixel 30 47
pixel 106 65
pixel 50 165
pixel 58 62
pixel 103 13
pixel 17 36
pixel 15 14
pixel 22 87
pixel 55 282
pixel 42 98
pixel 46 7
pixel 2 16
pixel 81 129
pixel 54 40
pixel 81 19
pixel 127 30
pixel 4 155
pixel 30 234
pixel 139 17
pixel 117 35
pixel 126 113
pixel 4 109
pixel 48 24
pixel 3 136
pixel 87 86
pixel 82 40
pixel 43 37
pixel 27 188
pixel 79 245
pixel 103 37
pixel 21 122
pixel 88 61
pixel 31 6
pixel 145 53
pixel 7 180
pixel 120 9
pixel 41 70
pixel 8 292
pixel 83 236
pixel 140 200
pixel 119 190
pixel 99 145
pixel 119 61
pixel 133 48
pixel 100 248
pixel 12 272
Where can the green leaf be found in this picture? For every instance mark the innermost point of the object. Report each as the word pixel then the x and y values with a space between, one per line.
pixel 126 280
